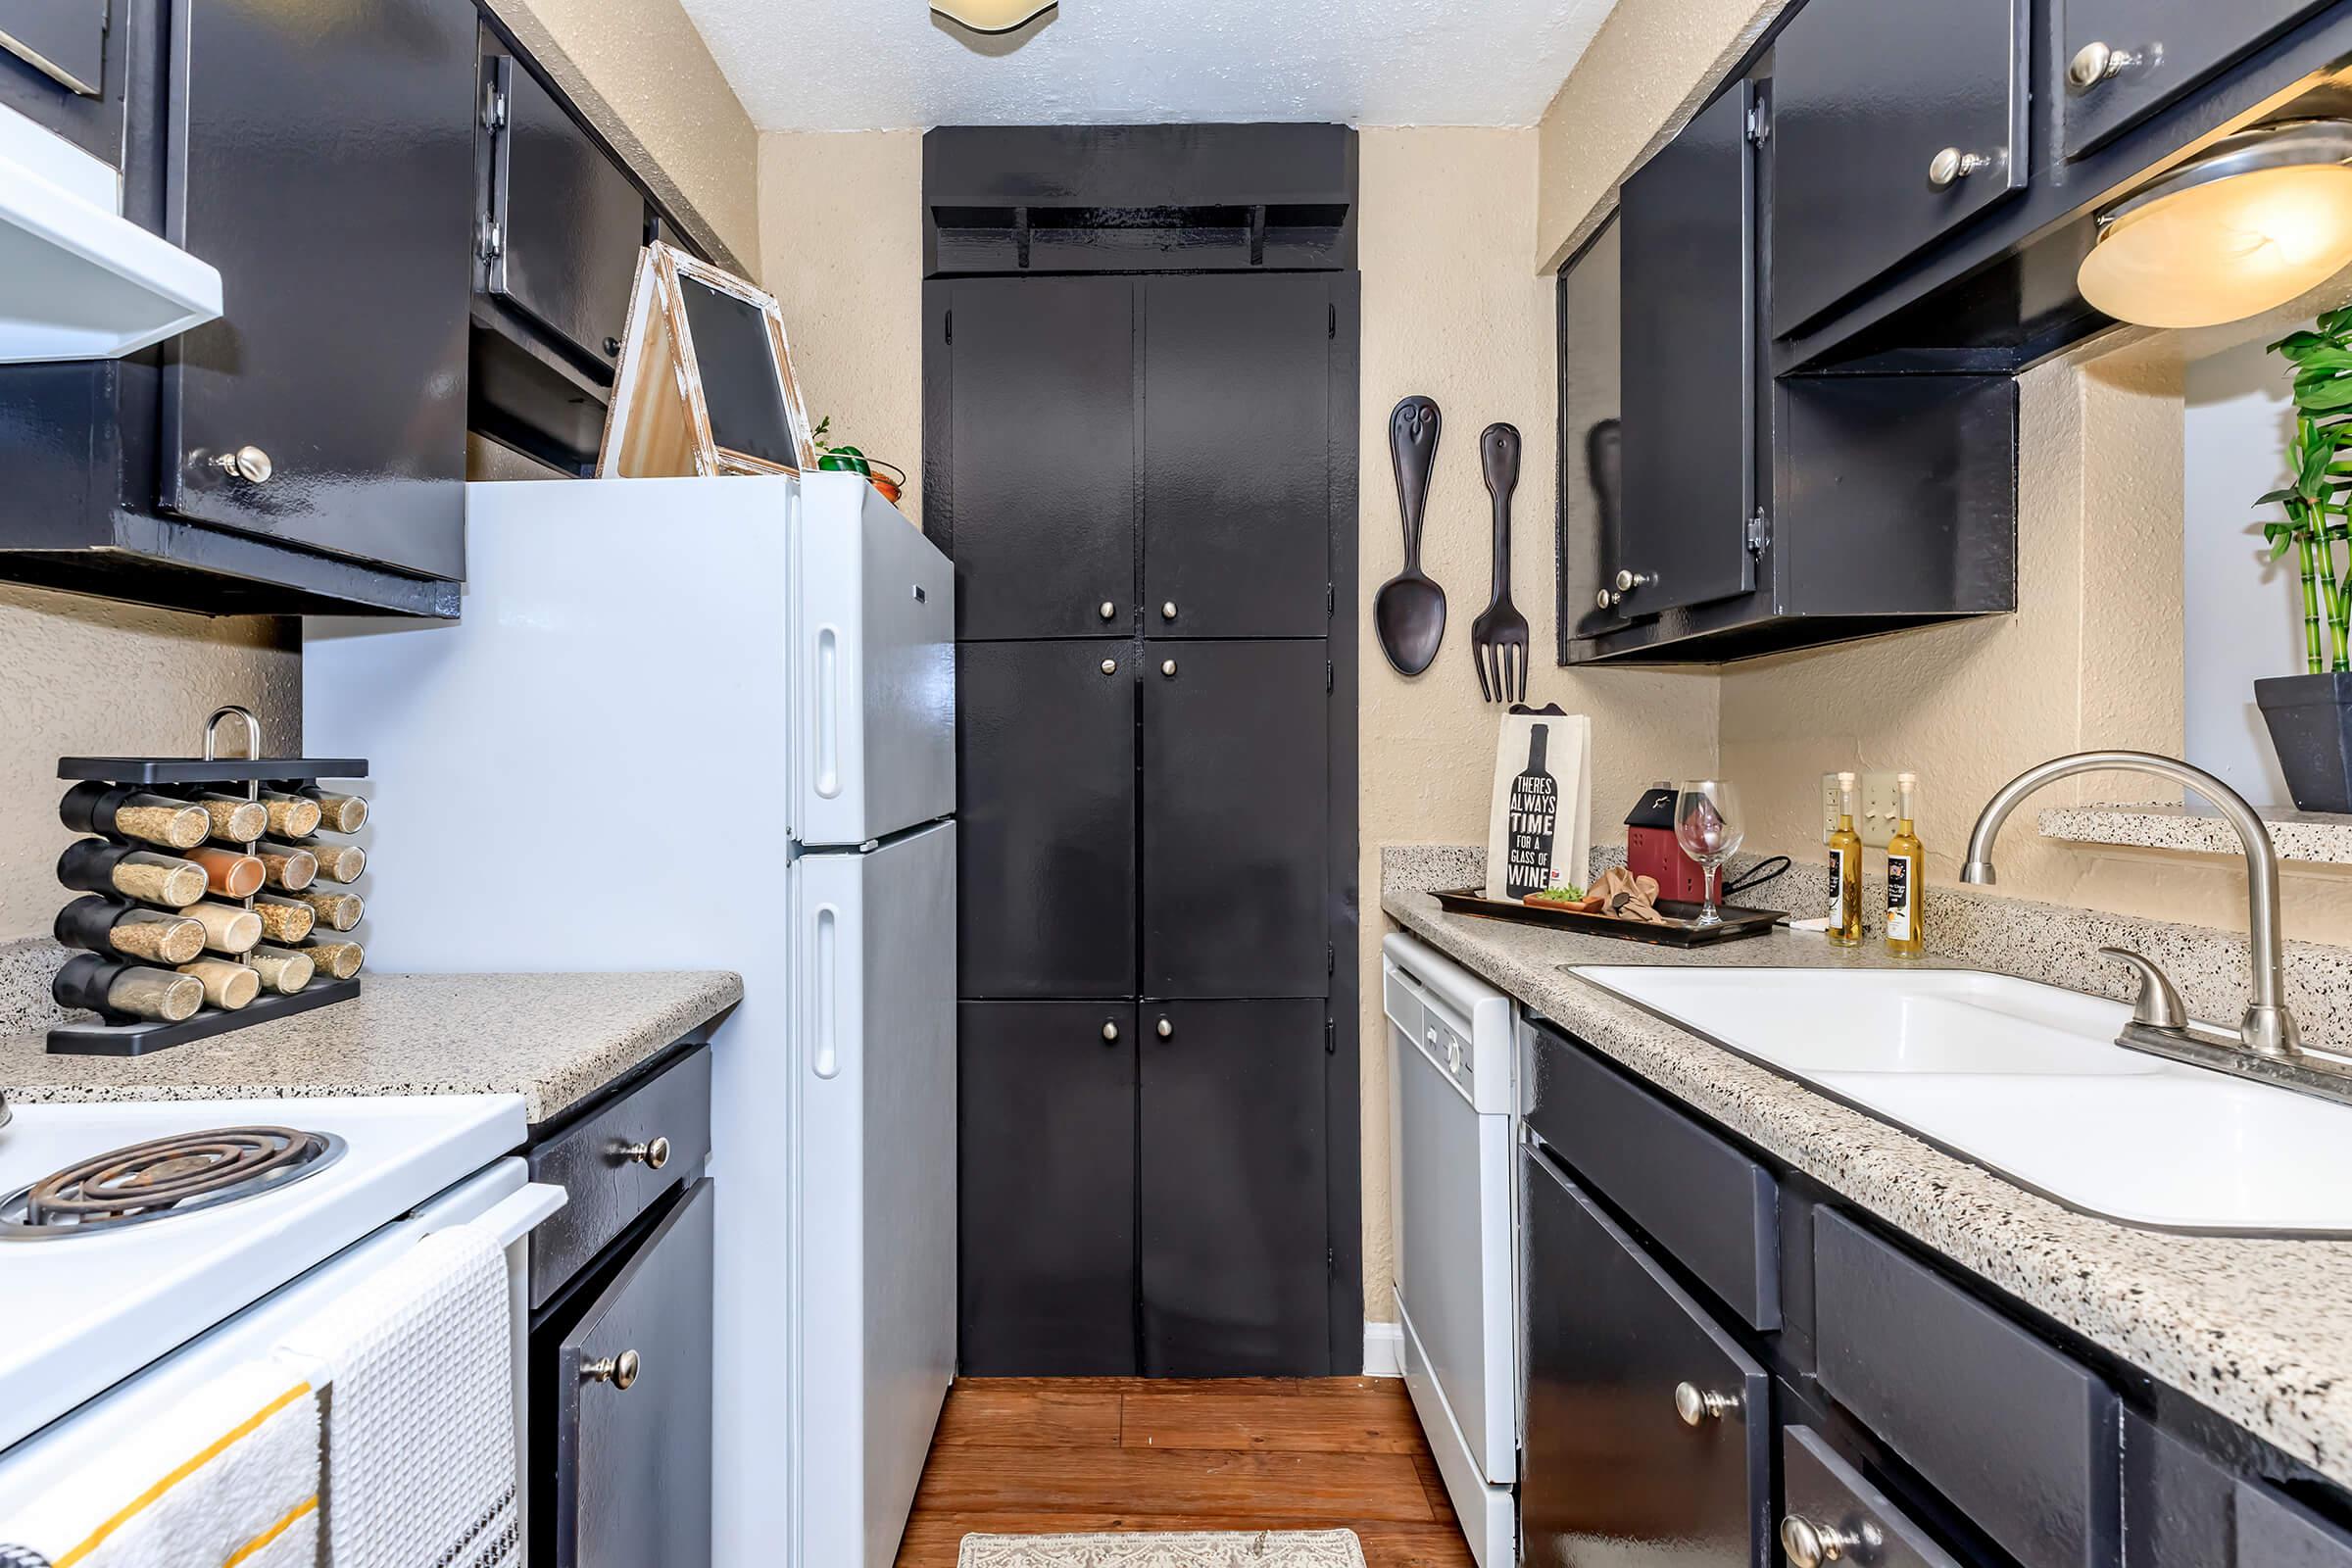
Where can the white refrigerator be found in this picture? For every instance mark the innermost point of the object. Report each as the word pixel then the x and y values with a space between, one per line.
pixel 710 723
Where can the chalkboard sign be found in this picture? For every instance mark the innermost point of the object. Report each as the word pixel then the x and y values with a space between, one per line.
pixel 704 384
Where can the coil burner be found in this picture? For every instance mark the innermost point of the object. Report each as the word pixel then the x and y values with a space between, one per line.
pixel 163 1178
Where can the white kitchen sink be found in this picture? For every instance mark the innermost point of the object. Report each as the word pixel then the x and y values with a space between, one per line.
pixel 2026 1079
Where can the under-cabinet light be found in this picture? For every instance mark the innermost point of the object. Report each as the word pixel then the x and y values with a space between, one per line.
pixel 991 16
pixel 2240 228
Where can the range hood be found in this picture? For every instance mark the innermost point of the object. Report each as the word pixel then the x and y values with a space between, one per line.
pixel 78 280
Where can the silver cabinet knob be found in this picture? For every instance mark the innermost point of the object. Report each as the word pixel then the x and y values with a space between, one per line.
pixel 1167 1029
pixel 1627 581
pixel 618 1370
pixel 1809 1544
pixel 1110 1031
pixel 2096 62
pixel 1167 667
pixel 1106 609
pixel 1697 1406
pixel 1606 598
pixel 653 1156
pixel 1952 165
pixel 249 463
pixel 1167 610
pixel 1110 666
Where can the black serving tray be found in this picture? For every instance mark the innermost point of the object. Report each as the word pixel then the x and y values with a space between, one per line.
pixel 211 769
pixel 98 1038
pixel 1679 931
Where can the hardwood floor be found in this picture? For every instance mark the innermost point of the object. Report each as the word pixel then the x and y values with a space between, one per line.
pixel 1043 1455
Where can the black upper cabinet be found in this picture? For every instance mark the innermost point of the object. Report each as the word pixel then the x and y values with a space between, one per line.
pixel 1592 455
pixel 1235 820
pixel 1045 739
pixel 1611 1472
pixel 2117 61
pixel 1036 463
pixel 1046 1108
pixel 566 223
pixel 1236 470
pixel 1233 1225
pixel 1688 327
pixel 1889 126
pixel 340 355
pixel 62 67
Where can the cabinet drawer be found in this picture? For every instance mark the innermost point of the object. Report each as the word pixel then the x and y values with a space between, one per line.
pixel 1826 1500
pixel 2274 1531
pixel 1648 1430
pixel 609 1184
pixel 2148 52
pixel 2023 1440
pixel 1709 1204
pixel 1865 99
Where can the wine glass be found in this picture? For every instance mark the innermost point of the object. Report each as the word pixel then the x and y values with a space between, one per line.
pixel 1706 823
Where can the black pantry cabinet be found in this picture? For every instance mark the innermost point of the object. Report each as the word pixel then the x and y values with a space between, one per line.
pixel 1144 468
pixel 416 236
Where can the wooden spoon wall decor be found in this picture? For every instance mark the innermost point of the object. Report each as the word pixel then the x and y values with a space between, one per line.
pixel 1410 611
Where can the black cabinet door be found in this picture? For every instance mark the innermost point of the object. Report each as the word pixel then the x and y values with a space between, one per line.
pixel 341 355
pixel 1045 740
pixel 1833 1499
pixel 1235 820
pixel 2137 55
pixel 1866 98
pixel 1591 478
pixel 1237 454
pixel 1046 1144
pixel 1235 1229
pixel 64 39
pixel 633 1456
pixel 1611 1472
pixel 1689 329
pixel 1041 455
pixel 569 221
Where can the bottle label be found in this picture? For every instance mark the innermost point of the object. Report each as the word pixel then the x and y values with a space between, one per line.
pixel 1898 898
pixel 1837 887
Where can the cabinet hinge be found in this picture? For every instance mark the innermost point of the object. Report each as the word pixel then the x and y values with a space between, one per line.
pixel 1331 601
pixel 1331 322
pixel 1331 959
pixel 1759 531
pixel 1331 1262
pixel 494 109
pixel 1759 123
pixel 490 240
pixel 1330 677
pixel 951 326
pixel 1331 1037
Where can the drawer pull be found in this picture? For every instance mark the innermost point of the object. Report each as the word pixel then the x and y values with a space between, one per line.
pixel 1111 1032
pixel 1952 165
pixel 1809 1544
pixel 1697 1406
pixel 249 463
pixel 618 1370
pixel 653 1156
pixel 2098 62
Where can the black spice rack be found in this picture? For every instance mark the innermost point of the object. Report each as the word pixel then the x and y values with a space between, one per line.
pixel 150 890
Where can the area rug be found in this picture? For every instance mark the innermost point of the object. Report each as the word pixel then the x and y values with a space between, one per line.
pixel 1196 1548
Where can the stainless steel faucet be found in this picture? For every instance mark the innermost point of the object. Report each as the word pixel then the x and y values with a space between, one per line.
pixel 2267 1043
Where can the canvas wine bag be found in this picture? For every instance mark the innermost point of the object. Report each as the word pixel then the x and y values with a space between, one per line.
pixel 1539 827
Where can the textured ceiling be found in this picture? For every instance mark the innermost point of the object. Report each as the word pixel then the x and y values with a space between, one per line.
pixel 882 65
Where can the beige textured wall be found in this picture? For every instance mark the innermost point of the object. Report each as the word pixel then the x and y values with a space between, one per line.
pixel 643 76
pixel 88 677
pixel 1649 68
pixel 841 247
pixel 1453 309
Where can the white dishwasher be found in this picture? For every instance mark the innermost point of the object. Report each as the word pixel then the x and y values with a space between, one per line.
pixel 1451 1186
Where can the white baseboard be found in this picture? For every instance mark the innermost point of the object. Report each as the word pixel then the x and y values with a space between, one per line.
pixel 1384 1349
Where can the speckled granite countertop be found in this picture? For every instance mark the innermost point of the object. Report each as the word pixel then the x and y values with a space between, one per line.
pixel 553 1039
pixel 2258 1331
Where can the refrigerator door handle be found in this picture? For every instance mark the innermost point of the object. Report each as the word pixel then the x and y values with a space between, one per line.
pixel 827 1059
pixel 828 712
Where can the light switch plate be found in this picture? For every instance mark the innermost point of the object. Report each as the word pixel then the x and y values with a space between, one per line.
pixel 1829 806
pixel 1876 802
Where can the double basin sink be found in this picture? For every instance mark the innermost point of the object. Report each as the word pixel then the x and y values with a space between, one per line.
pixel 2027 1081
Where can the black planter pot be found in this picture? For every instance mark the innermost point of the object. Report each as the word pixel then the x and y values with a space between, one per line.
pixel 2311 728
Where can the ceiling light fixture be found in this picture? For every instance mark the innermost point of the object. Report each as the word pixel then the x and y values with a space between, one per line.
pixel 991 16
pixel 2244 226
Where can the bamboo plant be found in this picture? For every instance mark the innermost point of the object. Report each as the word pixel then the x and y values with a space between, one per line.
pixel 2319 500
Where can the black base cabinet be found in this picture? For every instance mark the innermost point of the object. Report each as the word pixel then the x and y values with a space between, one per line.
pixel 1895 1413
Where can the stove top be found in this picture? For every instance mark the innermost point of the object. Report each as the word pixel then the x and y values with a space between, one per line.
pixel 177 1215
pixel 163 1178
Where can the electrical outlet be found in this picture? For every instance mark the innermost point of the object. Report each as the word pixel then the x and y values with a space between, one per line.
pixel 1880 803
pixel 1830 805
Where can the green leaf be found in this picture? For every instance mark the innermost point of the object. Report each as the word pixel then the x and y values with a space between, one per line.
pixel 2275 496
pixel 2325 396
pixel 2295 343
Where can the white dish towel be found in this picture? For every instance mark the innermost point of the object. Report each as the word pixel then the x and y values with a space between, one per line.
pixel 421 1469
pixel 229 1475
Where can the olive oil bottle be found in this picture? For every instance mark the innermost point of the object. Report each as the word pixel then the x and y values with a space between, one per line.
pixel 1906 879
pixel 1845 870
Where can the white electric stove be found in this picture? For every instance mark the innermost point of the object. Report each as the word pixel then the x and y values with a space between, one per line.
pixel 127 1272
